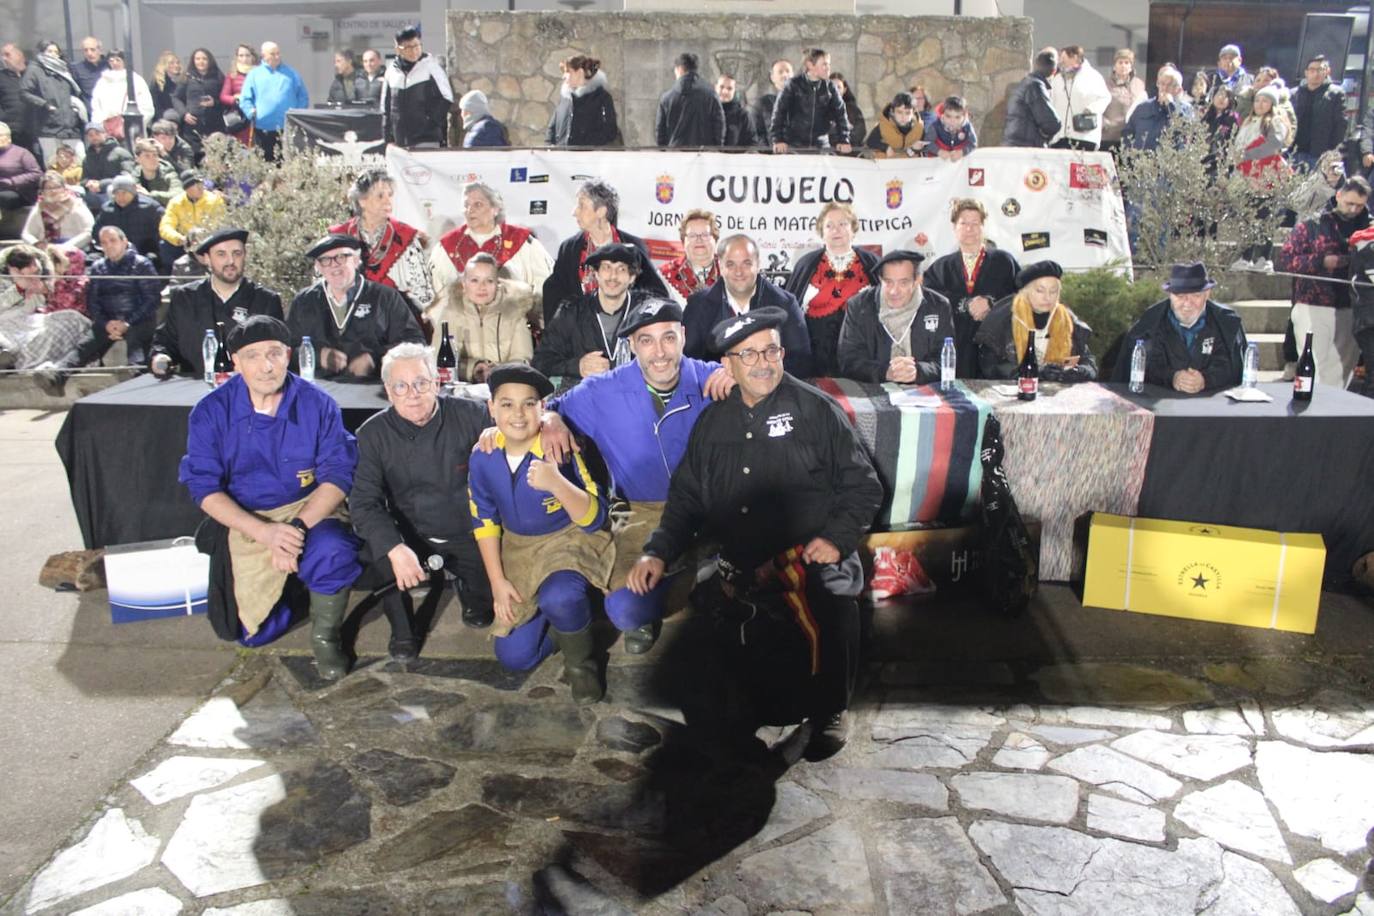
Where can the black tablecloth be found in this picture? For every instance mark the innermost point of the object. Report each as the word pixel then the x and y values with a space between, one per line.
pixel 1279 465
pixel 122 446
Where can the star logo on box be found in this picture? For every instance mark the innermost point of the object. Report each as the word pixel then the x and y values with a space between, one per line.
pixel 1199 580
pixel 975 178
pixel 1087 175
pixel 663 189
pixel 894 194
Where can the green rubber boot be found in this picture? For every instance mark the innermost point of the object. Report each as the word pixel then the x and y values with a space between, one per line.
pixel 326 619
pixel 584 675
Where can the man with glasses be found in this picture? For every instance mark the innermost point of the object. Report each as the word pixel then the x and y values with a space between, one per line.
pixel 893 331
pixel 416 96
pixel 410 492
pixel 776 475
pixel 350 320
pixel 739 291
pixel 222 301
pixel 269 461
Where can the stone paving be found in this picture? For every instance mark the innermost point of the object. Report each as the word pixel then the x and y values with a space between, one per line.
pixel 456 787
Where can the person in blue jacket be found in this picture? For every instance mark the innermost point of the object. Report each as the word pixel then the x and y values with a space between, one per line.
pixel 639 417
pixel 539 527
pixel 268 91
pixel 268 459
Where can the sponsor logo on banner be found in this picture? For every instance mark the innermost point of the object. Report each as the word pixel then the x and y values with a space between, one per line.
pixel 894 194
pixel 416 174
pixel 539 179
pixel 1034 241
pixel 975 178
pixel 921 240
pixel 583 177
pixel 663 189
pixel 1095 238
pixel 539 207
pixel 1087 175
pixel 518 175
pixel 1037 180
pixel 1011 208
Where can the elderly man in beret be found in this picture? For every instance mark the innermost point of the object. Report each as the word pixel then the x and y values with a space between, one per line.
pixel 220 302
pixel 583 338
pixel 1192 344
pixel 350 320
pixel 776 475
pixel 268 459
pixel 893 331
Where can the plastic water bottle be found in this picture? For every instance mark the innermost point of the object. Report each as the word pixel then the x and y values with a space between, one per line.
pixel 1249 375
pixel 947 365
pixel 306 359
pixel 1138 367
pixel 209 346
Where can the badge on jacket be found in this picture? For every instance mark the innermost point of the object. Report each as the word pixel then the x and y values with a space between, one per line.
pixel 932 322
pixel 779 424
pixel 364 309
pixel 306 477
pixel 1207 344
pixel 240 314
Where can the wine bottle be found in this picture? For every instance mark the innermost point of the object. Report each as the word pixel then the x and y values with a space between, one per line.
pixel 447 362
pixel 224 367
pixel 1028 373
pixel 1306 377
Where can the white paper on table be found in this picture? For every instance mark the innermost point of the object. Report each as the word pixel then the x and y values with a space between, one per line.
pixel 1248 394
pixel 1006 391
pixel 914 398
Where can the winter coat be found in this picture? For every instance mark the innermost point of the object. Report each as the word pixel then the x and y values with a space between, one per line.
pixel 739 126
pixel 1125 96
pixel 708 307
pixel 164 97
pixel 865 349
pixel 809 114
pixel 49 89
pixel 997 345
pixel 163 186
pixel 269 92
pixel 499 333
pixel 1321 118
pixel 345 89
pixel 689 114
pixel 140 221
pixel 1305 250
pixel 106 161
pixel 1147 122
pixel 1031 118
pixel 189 93
pixel 585 116
pixel 20 172
pixel 111 92
pixel 761 116
pixel 1083 92
pixel 14 110
pixel 1218 351
pixel 486 132
pixel 415 103
pixel 858 125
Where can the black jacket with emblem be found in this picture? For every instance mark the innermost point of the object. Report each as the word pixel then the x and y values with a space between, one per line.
pixel 996 280
pixel 997 346
pixel 763 479
pixel 708 307
pixel 574 331
pixel 865 349
pixel 412 481
pixel 378 320
pixel 1218 351
pixel 195 308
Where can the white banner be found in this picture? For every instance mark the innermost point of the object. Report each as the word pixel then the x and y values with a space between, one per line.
pixel 1042 204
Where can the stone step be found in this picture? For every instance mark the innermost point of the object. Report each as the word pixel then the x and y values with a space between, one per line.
pixel 1270 350
pixel 1262 316
pixel 1250 285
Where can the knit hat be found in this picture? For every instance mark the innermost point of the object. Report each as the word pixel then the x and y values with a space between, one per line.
pixel 474 102
pixel 123 183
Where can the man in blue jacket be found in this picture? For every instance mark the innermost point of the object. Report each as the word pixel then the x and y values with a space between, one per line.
pixel 122 301
pixel 740 289
pixel 639 417
pixel 268 91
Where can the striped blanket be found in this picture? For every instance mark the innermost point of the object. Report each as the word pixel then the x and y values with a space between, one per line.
pixel 924 444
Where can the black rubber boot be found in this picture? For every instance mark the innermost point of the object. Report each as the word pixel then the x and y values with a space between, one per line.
pixel 326 619
pixel 584 675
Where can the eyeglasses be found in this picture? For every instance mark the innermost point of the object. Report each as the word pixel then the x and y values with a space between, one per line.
pixel 329 260
pixel 750 357
pixel 419 386
pixel 699 236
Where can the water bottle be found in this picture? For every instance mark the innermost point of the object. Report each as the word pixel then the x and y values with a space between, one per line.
pixel 1138 367
pixel 306 359
pixel 1249 375
pixel 208 348
pixel 947 365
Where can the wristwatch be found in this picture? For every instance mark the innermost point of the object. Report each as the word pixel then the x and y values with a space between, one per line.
pixel 300 526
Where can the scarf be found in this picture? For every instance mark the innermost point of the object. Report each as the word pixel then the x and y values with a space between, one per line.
pixel 834 287
pixel 681 276
pixel 585 275
pixel 897 322
pixel 57 67
pixel 1060 330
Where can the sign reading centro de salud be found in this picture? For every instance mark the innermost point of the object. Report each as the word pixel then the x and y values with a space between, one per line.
pixel 1042 204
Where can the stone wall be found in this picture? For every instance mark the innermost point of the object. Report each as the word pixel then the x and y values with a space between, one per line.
pixel 514 57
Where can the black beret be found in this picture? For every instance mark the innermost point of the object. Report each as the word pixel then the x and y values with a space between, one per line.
pixel 732 330
pixel 900 254
pixel 520 374
pixel 255 330
pixel 332 241
pixel 650 311
pixel 616 251
pixel 1032 272
pixel 222 235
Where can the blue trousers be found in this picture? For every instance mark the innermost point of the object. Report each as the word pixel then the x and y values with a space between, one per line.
pixel 330 562
pixel 563 605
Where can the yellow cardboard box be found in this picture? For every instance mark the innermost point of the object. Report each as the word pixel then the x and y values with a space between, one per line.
pixel 1205 572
